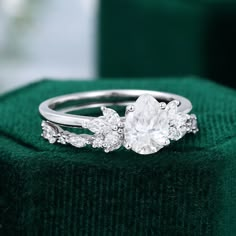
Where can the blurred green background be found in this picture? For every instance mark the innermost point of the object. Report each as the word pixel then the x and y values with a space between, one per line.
pixel 168 38
pixel 87 39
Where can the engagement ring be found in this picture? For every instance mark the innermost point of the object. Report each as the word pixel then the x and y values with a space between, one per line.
pixel 152 120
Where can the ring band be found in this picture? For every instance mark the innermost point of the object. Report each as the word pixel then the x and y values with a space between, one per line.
pixel 150 123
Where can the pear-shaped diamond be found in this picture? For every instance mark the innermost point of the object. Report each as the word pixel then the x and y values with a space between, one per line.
pixel 147 127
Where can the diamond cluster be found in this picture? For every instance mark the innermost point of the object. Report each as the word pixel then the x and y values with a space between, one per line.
pixel 107 129
pixel 148 126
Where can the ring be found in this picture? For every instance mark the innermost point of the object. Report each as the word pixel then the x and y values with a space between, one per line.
pixel 151 121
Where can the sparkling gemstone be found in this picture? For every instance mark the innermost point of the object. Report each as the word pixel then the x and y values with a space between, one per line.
pixel 177 121
pixel 77 141
pixel 191 124
pixel 98 126
pixel 147 127
pixel 112 141
pixel 49 132
pixel 108 130
pixel 98 141
pixel 177 126
pixel 172 107
pixel 62 140
pixel 111 116
pixel 106 123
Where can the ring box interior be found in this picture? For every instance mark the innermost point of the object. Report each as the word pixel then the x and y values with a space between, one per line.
pixel 187 188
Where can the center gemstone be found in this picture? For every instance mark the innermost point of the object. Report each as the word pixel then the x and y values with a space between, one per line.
pixel 146 128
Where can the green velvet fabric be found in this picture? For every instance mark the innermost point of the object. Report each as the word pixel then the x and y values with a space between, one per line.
pixel 168 38
pixel 188 188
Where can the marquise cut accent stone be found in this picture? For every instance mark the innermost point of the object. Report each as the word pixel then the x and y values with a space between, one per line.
pixel 98 126
pixel 77 141
pixel 146 128
pixel 108 130
pixel 177 127
pixel 49 132
pixel 111 116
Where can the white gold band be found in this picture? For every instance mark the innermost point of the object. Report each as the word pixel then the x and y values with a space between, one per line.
pixel 90 99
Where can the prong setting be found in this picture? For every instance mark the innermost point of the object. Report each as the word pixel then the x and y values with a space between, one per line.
pixel 103 108
pixel 127 146
pixel 130 108
pixel 162 105
pixel 115 128
pixel 177 102
pixel 121 125
pixel 120 131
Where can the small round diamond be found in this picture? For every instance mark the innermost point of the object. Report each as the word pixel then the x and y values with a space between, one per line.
pixel 112 141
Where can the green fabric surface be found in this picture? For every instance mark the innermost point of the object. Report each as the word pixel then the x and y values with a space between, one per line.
pixel 168 38
pixel 188 188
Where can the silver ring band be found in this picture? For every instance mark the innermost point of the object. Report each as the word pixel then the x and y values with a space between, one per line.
pixel 173 108
pixel 47 108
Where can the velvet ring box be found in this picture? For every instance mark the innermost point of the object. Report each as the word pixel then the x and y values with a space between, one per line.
pixel 188 188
